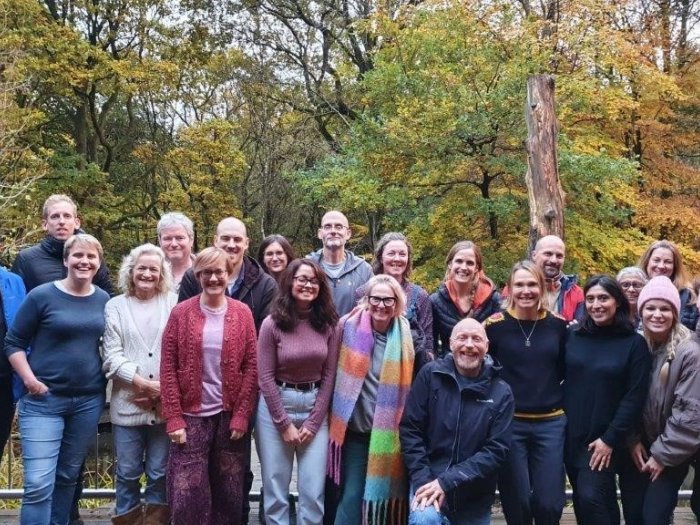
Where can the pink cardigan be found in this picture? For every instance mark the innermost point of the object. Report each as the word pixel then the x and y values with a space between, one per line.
pixel 182 360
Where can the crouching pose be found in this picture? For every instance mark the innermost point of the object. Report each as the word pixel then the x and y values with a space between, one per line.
pixel 455 433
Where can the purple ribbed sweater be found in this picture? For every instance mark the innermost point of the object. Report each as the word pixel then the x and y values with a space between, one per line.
pixel 301 356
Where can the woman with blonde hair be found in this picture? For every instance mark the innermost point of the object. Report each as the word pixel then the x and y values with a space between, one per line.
pixel 375 369
pixel 669 437
pixel 465 292
pixel 209 378
pixel 663 258
pixel 135 322
pixel 529 343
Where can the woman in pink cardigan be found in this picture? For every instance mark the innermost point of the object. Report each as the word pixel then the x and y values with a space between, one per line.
pixel 208 380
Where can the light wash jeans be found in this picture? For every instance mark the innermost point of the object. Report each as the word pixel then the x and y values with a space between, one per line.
pixel 277 458
pixel 140 449
pixel 56 432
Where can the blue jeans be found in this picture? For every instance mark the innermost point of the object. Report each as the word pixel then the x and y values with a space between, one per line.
pixel 477 514
pixel 353 474
pixel 531 482
pixel 140 449
pixel 56 432
pixel 277 459
pixel 595 496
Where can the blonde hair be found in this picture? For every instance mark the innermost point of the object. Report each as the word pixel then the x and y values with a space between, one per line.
pixel 82 239
pixel 55 199
pixel 208 257
pixel 536 272
pixel 391 283
pixel 679 334
pixel 126 271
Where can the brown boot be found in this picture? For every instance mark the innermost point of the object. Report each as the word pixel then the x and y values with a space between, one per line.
pixel 156 515
pixel 132 517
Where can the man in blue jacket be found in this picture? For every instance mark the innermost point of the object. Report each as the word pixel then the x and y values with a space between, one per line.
pixel 455 433
pixel 11 296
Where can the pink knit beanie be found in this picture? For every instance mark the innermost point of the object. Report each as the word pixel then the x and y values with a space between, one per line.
pixel 660 287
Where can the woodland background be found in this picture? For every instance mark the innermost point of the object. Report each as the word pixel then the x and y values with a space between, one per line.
pixel 405 114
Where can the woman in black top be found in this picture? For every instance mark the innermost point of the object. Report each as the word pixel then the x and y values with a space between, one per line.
pixel 607 378
pixel 528 342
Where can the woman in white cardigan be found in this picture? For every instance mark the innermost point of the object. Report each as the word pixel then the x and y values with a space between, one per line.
pixel 134 328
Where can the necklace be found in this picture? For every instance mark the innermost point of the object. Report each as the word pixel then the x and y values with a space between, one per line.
pixel 527 336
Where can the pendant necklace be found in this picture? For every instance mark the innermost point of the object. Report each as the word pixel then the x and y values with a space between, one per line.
pixel 527 336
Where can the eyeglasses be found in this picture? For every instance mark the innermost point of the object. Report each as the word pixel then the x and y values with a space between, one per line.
pixel 336 227
pixel 219 273
pixel 386 301
pixel 303 281
pixel 631 286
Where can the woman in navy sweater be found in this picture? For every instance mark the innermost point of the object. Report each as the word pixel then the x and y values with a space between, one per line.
pixel 607 379
pixel 64 395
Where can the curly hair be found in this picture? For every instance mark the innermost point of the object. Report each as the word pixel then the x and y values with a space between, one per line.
pixel 284 311
pixel 126 270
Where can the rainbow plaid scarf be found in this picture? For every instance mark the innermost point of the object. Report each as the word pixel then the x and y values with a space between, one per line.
pixel 386 488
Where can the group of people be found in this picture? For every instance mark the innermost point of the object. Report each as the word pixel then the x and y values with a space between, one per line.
pixel 399 406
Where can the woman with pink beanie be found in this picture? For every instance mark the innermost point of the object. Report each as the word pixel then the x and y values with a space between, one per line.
pixel 669 434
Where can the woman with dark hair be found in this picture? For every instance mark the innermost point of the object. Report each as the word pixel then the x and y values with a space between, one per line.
pixel 393 256
pixel 208 385
pixel 607 374
pixel 297 359
pixel 274 254
pixel 663 258
pixel 465 292
pixel 662 452
pixel 529 343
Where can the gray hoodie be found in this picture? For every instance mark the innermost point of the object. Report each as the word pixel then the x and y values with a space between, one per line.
pixel 355 273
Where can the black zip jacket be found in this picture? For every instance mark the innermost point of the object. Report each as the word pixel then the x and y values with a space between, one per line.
pixel 457 434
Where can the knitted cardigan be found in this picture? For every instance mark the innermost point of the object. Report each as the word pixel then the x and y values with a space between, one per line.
pixel 126 354
pixel 182 362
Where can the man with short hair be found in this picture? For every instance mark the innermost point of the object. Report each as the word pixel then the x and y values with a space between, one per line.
pixel 249 283
pixel 43 262
pixel 346 271
pixel 176 238
pixel 455 432
pixel 563 295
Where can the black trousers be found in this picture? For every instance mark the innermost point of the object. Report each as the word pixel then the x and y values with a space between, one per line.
pixel 595 496
pixel 7 411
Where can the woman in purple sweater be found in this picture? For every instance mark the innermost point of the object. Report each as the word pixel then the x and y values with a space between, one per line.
pixel 297 358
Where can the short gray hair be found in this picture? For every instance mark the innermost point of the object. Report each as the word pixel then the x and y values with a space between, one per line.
pixel 632 271
pixel 126 271
pixel 175 218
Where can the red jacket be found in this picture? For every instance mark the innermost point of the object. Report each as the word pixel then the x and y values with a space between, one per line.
pixel 182 361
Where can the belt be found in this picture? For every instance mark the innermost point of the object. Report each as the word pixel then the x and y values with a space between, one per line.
pixel 301 387
pixel 557 412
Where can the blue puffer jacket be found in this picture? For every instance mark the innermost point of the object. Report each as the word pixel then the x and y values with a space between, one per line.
pixel 12 289
pixel 457 434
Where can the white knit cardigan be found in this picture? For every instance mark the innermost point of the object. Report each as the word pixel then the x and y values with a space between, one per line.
pixel 126 354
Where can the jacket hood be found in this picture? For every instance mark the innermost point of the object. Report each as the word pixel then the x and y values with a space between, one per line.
pixel 568 281
pixel 253 271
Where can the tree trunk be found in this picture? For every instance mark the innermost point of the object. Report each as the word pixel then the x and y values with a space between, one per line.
pixel 545 195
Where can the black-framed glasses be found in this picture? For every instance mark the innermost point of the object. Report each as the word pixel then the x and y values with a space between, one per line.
pixel 219 273
pixel 303 280
pixel 386 301
pixel 627 285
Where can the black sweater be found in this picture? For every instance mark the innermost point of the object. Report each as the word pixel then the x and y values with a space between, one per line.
pixel 534 372
pixel 607 381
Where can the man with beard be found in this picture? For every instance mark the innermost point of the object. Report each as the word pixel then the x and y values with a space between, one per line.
pixel 563 295
pixel 345 271
pixel 455 432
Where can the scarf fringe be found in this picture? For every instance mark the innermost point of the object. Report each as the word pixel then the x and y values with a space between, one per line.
pixel 386 512
pixel 334 461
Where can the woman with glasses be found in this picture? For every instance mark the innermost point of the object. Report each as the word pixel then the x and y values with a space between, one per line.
pixel 528 342
pixel 297 359
pixel 275 254
pixel 208 384
pixel 663 258
pixel 375 368
pixel 632 280
pixel 465 292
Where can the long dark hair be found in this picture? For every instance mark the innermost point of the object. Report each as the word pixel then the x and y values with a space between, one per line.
pixel 284 308
pixel 621 321
pixel 283 242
